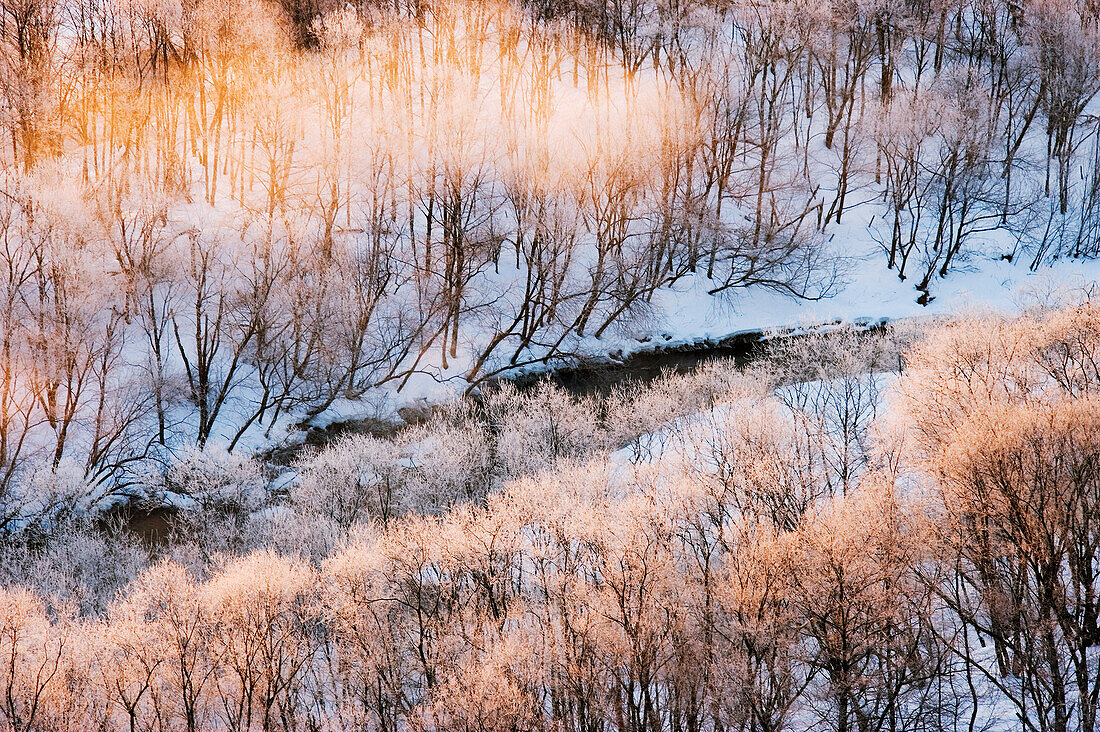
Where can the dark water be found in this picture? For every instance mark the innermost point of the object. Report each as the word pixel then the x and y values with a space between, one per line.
pixel 152 525
pixel 589 377
pixel 599 378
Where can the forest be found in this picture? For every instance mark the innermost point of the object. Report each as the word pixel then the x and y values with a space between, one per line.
pixel 220 219
pixel 225 224
pixel 821 542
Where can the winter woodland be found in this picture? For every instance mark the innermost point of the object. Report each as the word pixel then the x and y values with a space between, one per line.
pixel 222 222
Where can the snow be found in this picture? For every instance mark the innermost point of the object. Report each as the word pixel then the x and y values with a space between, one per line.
pixel 628 121
pixel 686 314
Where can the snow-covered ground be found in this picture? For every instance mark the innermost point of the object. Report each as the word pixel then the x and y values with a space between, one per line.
pixel 686 313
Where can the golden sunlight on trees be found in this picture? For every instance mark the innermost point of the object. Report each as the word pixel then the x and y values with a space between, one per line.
pixel 299 203
pixel 1005 422
pixel 718 575
pixel 225 224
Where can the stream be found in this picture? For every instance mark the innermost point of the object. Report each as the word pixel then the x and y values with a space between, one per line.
pixel 591 377
pixel 587 377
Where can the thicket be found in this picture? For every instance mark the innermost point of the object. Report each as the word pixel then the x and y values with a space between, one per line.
pixel 851 550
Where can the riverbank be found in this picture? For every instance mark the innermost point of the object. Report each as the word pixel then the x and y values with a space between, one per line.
pixel 594 375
